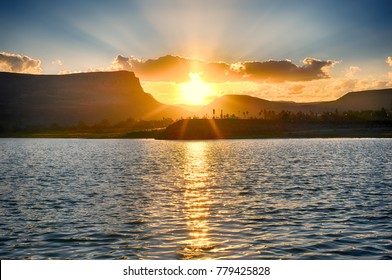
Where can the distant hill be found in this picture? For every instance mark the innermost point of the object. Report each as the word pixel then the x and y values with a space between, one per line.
pixel 355 101
pixel 238 104
pixel 190 108
pixel 67 99
pixel 360 101
pixel 116 96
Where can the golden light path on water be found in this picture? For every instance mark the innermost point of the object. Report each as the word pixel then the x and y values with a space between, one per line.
pixel 197 201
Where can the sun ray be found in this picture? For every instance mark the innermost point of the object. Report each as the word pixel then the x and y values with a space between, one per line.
pixel 215 129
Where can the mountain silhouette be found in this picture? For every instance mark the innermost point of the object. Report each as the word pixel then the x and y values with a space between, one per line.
pixel 252 106
pixel 117 96
pixel 67 99
pixel 359 101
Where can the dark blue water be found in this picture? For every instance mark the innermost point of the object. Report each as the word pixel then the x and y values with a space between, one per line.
pixel 230 199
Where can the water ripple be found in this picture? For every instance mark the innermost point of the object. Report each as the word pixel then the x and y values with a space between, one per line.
pixel 232 199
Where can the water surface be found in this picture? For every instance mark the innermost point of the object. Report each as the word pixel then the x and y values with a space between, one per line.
pixel 229 199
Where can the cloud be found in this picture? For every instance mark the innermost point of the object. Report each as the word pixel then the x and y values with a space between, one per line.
pixel 122 63
pixel 285 70
pixel 216 72
pixel 296 89
pixel 351 71
pixel 165 68
pixel 19 63
pixel 176 69
pixel 57 62
pixel 389 60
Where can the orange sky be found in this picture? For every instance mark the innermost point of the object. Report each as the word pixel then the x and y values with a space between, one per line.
pixel 311 80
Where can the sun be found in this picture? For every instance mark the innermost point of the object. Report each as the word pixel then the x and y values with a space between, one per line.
pixel 196 91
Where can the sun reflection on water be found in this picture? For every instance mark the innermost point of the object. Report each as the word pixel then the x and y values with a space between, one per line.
pixel 197 202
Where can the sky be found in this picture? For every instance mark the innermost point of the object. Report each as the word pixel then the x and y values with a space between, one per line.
pixel 188 51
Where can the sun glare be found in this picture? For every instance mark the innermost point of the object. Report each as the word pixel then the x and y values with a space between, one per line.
pixel 196 91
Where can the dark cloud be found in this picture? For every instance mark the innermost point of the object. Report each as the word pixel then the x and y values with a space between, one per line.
pixel 177 69
pixel 217 72
pixel 315 68
pixel 19 63
pixel 123 63
pixel 285 70
pixel 165 68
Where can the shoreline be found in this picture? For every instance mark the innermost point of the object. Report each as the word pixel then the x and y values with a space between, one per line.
pixel 209 129
pixel 203 129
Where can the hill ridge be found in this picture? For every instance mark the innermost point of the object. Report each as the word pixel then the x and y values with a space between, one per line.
pixel 28 99
pixel 356 101
pixel 31 99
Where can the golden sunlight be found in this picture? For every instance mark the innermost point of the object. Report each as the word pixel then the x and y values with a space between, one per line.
pixel 196 91
pixel 197 203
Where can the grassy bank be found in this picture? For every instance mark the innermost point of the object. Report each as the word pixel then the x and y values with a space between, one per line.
pixel 87 134
pixel 194 129
pixel 240 129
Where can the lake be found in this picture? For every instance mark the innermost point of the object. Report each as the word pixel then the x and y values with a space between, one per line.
pixel 227 199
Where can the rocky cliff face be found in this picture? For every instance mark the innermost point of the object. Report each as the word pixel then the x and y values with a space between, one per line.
pixel 68 99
